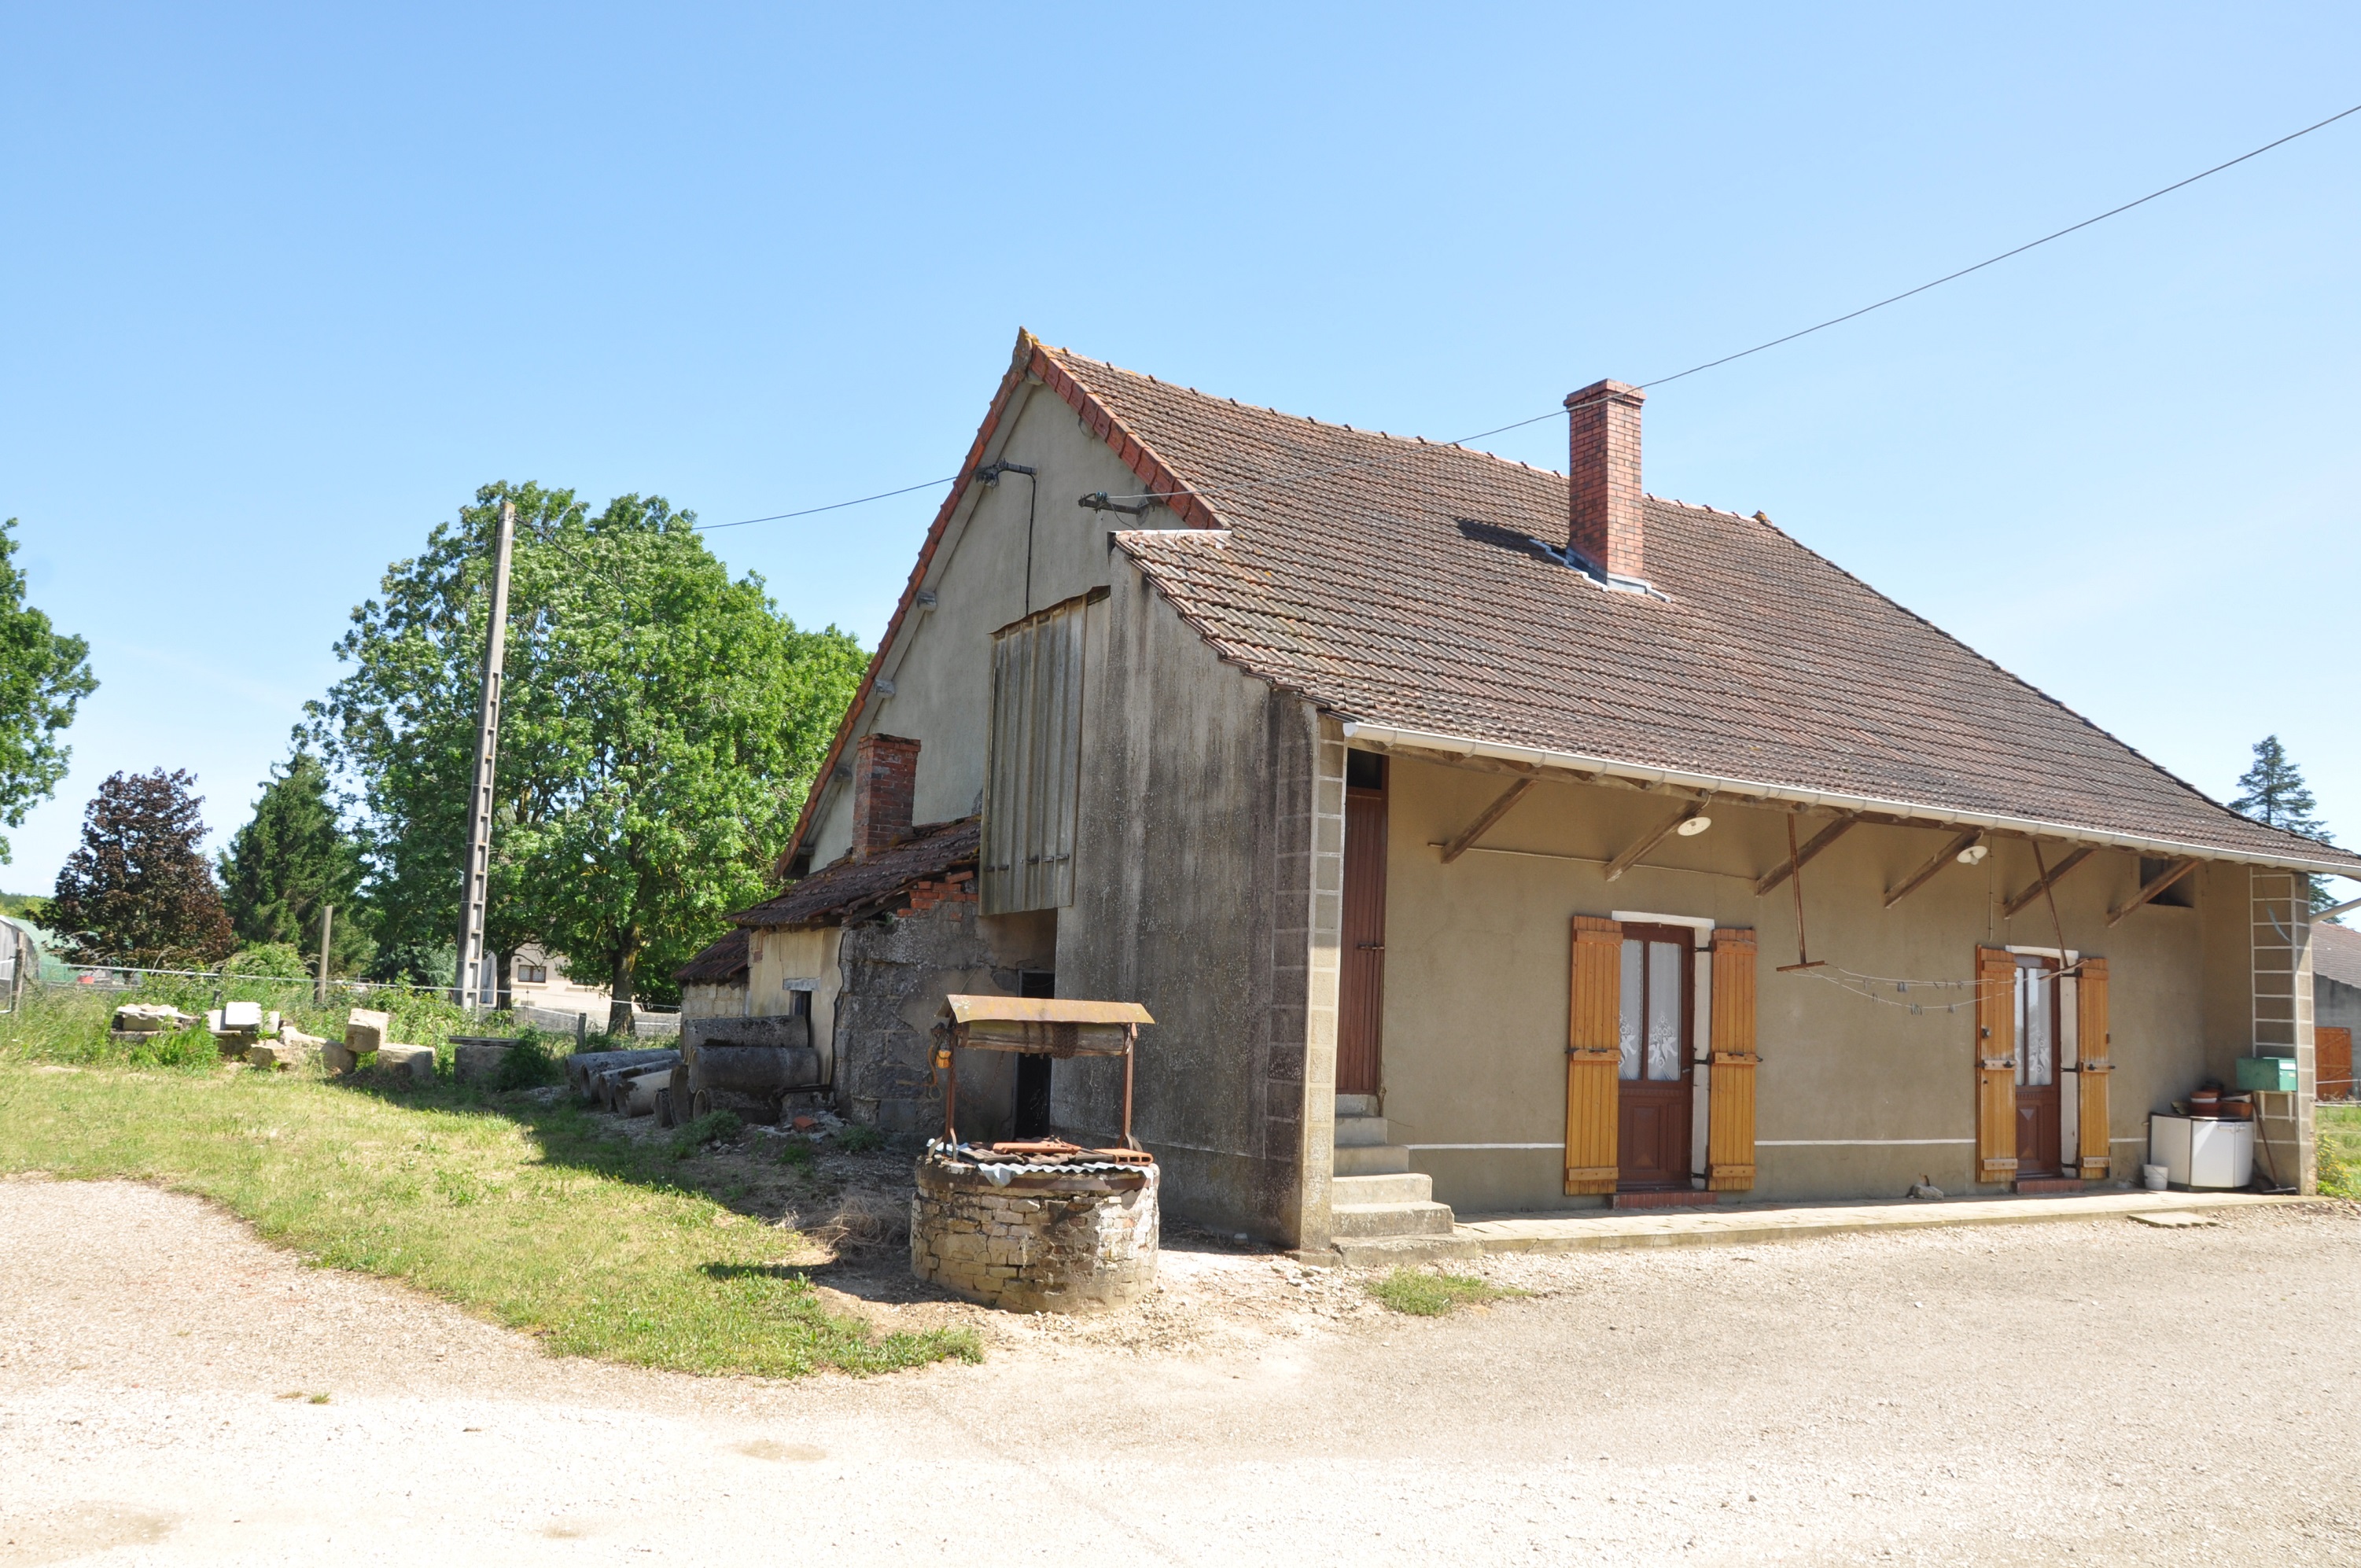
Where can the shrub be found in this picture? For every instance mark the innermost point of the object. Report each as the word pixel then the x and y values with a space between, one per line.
pixel 276 959
pixel 860 1139
pixel 529 1063
pixel 797 1154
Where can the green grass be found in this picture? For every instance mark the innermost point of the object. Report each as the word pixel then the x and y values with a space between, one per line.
pixel 535 1217
pixel 2340 1151
pixel 1430 1295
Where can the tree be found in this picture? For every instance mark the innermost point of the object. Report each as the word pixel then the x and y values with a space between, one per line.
pixel 137 890
pixel 289 862
pixel 44 675
pixel 660 727
pixel 2273 793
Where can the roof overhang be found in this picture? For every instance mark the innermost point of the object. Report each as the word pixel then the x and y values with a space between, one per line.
pixel 1914 811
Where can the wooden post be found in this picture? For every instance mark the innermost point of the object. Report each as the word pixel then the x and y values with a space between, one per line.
pixel 1130 1039
pixel 327 923
pixel 476 877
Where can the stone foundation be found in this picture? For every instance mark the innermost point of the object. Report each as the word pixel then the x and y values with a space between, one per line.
pixel 1047 1242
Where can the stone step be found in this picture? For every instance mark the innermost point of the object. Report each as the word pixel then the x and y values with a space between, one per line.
pixel 1394 1252
pixel 1392 1187
pixel 1372 1159
pixel 1356 1105
pixel 1391 1218
pixel 1357 1132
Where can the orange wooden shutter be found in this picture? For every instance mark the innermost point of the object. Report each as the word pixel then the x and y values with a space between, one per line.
pixel 1592 1050
pixel 2096 1068
pixel 1729 1107
pixel 2331 1057
pixel 1995 1065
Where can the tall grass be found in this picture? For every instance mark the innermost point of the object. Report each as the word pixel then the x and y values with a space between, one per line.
pixel 534 1216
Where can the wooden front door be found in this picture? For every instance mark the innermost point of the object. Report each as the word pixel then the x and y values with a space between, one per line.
pixel 2037 1066
pixel 1655 999
pixel 1361 982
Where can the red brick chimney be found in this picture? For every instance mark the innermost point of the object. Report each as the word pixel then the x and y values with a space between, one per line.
pixel 1603 474
pixel 885 786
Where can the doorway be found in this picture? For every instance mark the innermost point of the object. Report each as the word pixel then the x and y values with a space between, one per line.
pixel 2037 1101
pixel 1657 997
pixel 1361 977
pixel 1033 1118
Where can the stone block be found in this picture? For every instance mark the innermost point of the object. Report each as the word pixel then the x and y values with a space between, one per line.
pixel 473 1061
pixel 148 1017
pixel 278 1054
pixel 245 1016
pixel 336 1059
pixel 366 1031
pixel 415 1062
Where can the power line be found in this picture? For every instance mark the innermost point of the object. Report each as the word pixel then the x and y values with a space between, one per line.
pixel 2004 255
pixel 1659 381
pixel 833 506
pixel 1822 326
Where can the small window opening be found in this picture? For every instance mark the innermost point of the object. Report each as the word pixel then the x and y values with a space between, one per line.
pixel 2181 895
pixel 1365 769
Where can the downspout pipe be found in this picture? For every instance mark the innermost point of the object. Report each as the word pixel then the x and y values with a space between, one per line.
pixel 1944 815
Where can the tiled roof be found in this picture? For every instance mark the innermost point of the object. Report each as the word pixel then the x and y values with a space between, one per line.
pixel 722 962
pixel 2336 952
pixel 847 889
pixel 1392 582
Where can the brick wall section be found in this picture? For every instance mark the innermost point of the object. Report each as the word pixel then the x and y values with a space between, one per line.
pixel 1603 475
pixel 884 787
pixel 959 887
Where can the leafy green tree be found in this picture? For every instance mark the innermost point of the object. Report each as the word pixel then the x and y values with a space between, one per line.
pixel 2273 793
pixel 289 862
pixel 44 675
pixel 660 727
pixel 136 889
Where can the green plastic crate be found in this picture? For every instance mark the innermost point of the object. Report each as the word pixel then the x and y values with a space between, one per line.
pixel 2275 1074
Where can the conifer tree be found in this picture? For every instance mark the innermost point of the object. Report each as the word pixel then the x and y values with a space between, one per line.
pixel 291 862
pixel 2273 793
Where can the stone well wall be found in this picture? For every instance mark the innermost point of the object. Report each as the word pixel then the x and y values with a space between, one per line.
pixel 1045 1243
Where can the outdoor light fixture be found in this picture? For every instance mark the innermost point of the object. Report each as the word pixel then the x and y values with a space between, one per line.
pixel 1694 826
pixel 1973 855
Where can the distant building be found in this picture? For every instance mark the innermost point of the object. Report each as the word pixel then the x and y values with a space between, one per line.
pixel 2335 1005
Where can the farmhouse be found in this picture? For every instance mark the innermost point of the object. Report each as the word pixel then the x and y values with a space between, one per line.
pixel 1488 839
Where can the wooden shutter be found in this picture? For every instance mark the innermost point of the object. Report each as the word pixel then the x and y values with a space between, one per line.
pixel 2095 1066
pixel 1592 1051
pixel 1995 1065
pixel 2332 1056
pixel 1032 774
pixel 1729 1106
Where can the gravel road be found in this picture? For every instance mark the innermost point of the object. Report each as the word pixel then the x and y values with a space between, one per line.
pixel 2101 1392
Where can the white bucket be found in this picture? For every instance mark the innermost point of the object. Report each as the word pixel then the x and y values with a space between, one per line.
pixel 2152 1177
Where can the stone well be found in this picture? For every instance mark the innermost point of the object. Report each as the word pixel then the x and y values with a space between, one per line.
pixel 1047 1241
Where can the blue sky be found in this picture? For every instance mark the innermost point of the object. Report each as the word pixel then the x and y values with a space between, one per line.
pixel 280 287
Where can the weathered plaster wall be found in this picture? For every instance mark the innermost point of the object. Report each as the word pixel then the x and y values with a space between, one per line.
pixel 1208 804
pixel 1854 1096
pixel 896 972
pixel 942 666
pixel 775 957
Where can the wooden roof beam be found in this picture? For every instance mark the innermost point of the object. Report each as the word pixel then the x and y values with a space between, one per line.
pixel 1649 840
pixel 1484 824
pixel 1960 843
pixel 2156 884
pixel 1803 857
pixel 2057 874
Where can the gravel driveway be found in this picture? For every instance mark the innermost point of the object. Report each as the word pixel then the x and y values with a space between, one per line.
pixel 2105 1392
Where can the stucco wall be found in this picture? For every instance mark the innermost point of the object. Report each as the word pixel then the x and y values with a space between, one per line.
pixel 1854 1096
pixel 941 667
pixel 1209 804
pixel 777 956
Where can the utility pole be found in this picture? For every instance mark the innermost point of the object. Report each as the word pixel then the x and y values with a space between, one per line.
pixel 327 923
pixel 475 887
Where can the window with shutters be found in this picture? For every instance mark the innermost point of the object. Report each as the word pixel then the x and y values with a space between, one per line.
pixel 1032 778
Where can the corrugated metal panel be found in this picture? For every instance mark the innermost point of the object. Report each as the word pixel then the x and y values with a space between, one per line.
pixel 1034 776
